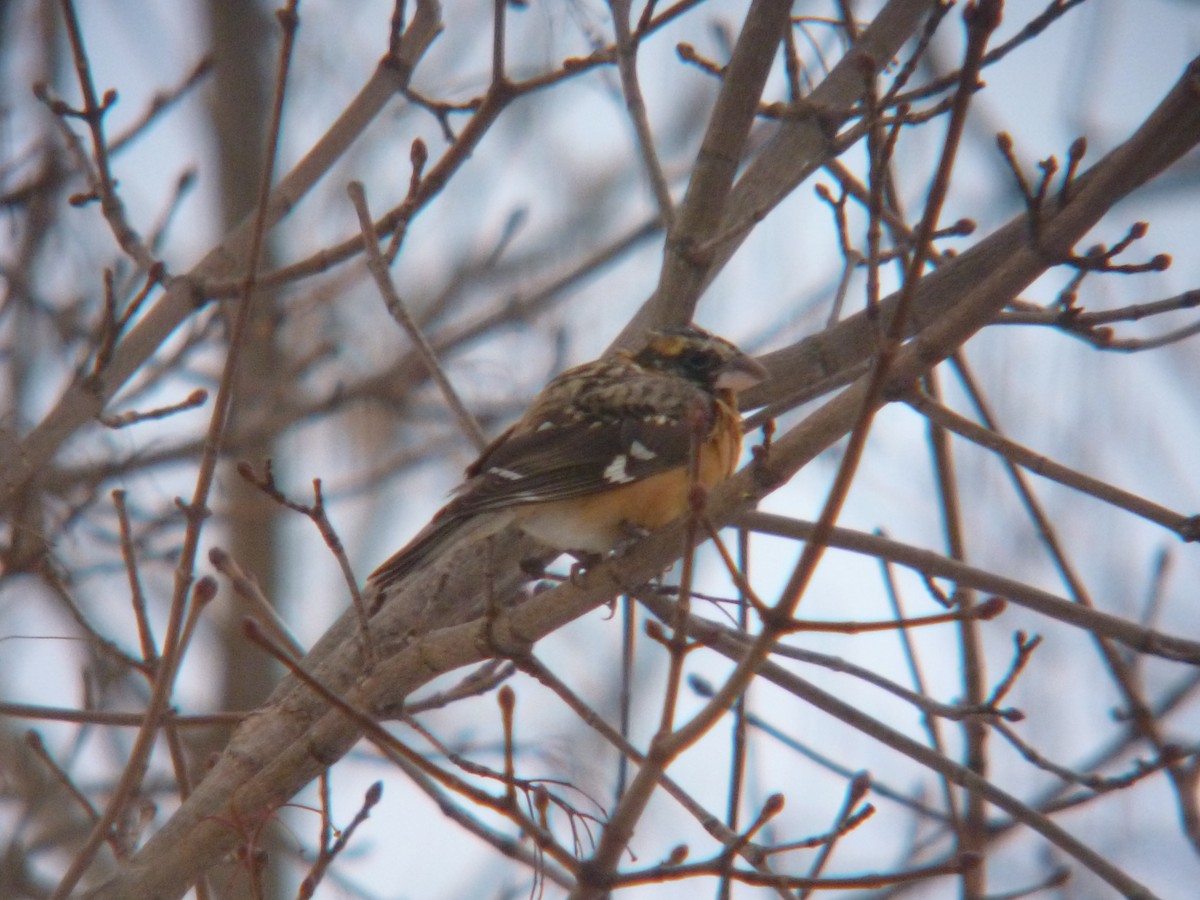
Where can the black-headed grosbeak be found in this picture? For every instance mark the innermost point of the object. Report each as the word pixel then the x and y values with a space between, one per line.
pixel 604 451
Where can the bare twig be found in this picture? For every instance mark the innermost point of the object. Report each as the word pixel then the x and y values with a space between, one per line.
pixel 1095 622
pixel 1187 527
pixel 249 590
pixel 316 513
pixel 378 268
pixel 627 47
pixel 160 103
pixel 136 595
pixel 111 717
pixel 93 113
pixel 855 792
pixel 329 851
pixel 195 400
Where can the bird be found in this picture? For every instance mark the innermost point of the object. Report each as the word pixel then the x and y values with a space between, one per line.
pixel 603 455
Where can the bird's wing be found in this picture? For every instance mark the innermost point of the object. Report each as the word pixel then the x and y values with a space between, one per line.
pixel 595 427
pixel 573 460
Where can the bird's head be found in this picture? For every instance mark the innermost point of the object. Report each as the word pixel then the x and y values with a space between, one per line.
pixel 710 361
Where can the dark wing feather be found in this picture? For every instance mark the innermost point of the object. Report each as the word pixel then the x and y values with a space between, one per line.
pixel 573 461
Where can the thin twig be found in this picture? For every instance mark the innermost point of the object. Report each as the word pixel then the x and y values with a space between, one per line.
pixel 972 826
pixel 194 400
pixel 137 596
pixel 377 266
pixel 635 105
pixel 315 512
pixel 1187 527
pixel 855 792
pixel 1125 677
pixel 111 717
pixel 104 645
pixel 33 740
pixel 161 102
pixel 329 851
pixel 705 689
pixel 1131 634
pixel 93 113
pixel 928 720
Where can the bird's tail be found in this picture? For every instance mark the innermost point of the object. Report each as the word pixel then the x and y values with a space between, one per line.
pixel 417 551
pixel 449 524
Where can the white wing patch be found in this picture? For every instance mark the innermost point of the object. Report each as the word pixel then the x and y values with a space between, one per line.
pixel 616 473
pixel 638 450
pixel 506 474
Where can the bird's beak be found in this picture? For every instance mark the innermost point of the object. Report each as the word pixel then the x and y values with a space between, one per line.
pixel 740 373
